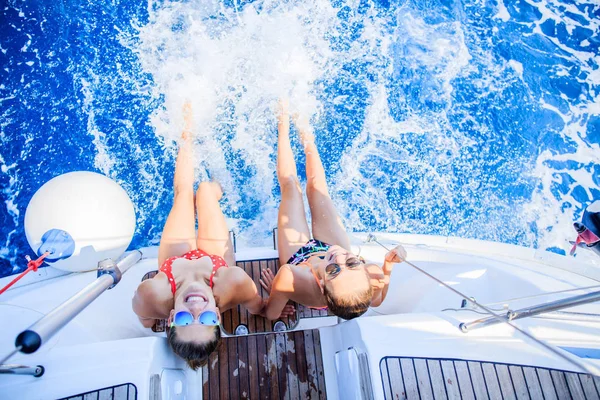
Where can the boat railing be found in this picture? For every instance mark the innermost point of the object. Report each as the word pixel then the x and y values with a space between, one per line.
pixel 109 274
pixel 16 369
pixel 526 312
pixel 497 318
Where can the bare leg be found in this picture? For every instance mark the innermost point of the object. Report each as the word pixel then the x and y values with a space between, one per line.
pixel 327 226
pixel 179 234
pixel 292 228
pixel 213 234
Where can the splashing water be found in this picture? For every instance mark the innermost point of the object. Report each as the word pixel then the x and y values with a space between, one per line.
pixel 469 119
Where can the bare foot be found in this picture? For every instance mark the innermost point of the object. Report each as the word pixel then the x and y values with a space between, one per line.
pixel 187 120
pixel 283 107
pixel 283 117
pixel 306 131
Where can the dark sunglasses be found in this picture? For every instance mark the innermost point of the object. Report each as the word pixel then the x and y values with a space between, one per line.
pixel 334 269
pixel 183 318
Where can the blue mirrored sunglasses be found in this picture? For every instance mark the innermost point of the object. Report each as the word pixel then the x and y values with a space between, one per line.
pixel 183 318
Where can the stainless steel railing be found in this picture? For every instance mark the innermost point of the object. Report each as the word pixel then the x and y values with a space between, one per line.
pixel 109 274
pixel 16 369
pixel 532 311
pixel 584 366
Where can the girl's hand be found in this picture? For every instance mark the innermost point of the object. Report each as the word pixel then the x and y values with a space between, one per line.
pixel 267 279
pixel 396 255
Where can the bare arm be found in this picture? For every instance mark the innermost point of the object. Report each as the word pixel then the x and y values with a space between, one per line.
pixel 248 293
pixel 279 287
pixel 148 304
pixel 394 256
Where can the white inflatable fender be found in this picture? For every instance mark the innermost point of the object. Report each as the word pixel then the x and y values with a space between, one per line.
pixel 93 209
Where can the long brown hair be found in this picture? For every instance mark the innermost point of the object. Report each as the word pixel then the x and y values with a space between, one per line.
pixel 195 354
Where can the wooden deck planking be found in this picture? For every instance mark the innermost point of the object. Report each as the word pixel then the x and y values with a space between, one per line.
pixel 560 385
pixel 574 385
pixel 281 359
pixel 301 366
pixel 587 382
pixel 506 384
pixel 423 380
pixel 450 380
pixel 385 377
pixel 597 383
pixel 533 383
pixel 464 380
pixel 242 347
pixel 270 366
pixel 292 375
pixel 319 358
pixel 254 377
pixel 518 379
pixel 546 384
pixel 410 379
pixel 426 378
pixel 437 379
pixel 395 379
pixel 478 380
pixel 233 370
pixel 491 380
pixel 223 364
pixel 311 364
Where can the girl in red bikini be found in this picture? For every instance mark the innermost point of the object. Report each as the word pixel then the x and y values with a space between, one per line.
pixel 319 270
pixel 197 278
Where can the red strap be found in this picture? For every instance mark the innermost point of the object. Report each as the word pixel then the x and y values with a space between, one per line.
pixel 167 266
pixel 167 269
pixel 32 265
pixel 218 262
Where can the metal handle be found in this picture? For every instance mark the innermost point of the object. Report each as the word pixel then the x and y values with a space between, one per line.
pixel 16 369
pixel 41 331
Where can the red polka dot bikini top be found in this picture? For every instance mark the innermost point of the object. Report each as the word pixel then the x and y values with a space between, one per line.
pixel 167 266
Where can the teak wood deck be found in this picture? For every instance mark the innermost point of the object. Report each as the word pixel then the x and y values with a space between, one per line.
pixel 432 378
pixel 264 364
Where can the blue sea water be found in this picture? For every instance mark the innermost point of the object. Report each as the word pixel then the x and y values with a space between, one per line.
pixel 476 119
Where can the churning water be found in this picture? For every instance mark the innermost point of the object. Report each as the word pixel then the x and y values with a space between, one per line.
pixel 477 119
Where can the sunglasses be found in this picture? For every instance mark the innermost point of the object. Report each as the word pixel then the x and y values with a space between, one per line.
pixel 184 318
pixel 334 269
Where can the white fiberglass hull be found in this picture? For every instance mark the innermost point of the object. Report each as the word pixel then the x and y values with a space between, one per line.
pixel 105 345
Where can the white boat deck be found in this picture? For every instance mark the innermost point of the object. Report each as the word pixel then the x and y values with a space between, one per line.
pixel 410 347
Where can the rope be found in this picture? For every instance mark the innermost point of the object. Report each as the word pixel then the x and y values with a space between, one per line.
pixel 589 369
pixel 32 265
